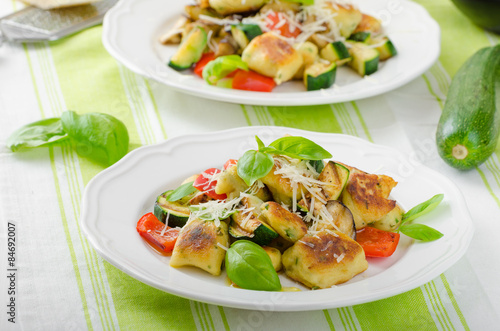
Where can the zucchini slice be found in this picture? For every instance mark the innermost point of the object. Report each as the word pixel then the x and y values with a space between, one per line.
pixel 361 36
pixel 252 229
pixel 385 48
pixel 309 53
pixel 318 165
pixel 249 225
pixel 244 33
pixel 177 211
pixel 190 49
pixel 390 222
pixel 335 177
pixel 320 76
pixel 336 52
pixel 364 59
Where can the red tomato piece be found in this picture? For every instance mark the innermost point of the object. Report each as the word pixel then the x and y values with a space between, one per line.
pixel 160 237
pixel 205 58
pixel 377 243
pixel 277 21
pixel 230 163
pixel 206 182
pixel 252 81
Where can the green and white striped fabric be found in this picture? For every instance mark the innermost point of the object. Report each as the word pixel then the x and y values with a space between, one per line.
pixel 63 284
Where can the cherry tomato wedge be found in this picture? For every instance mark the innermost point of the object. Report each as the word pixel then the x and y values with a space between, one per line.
pixel 278 21
pixel 155 233
pixel 377 243
pixel 230 163
pixel 206 182
pixel 252 81
pixel 205 58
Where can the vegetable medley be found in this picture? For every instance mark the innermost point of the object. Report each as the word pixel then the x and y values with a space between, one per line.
pixel 258 44
pixel 282 208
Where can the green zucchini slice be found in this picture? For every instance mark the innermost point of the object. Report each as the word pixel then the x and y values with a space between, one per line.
pixel 385 48
pixel 244 33
pixel 190 49
pixel 336 52
pixel 390 221
pixel 177 211
pixel 335 176
pixel 361 36
pixel 365 59
pixel 320 76
pixel 252 229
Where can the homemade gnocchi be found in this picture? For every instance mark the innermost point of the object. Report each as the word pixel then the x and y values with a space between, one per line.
pixel 303 213
pixel 275 41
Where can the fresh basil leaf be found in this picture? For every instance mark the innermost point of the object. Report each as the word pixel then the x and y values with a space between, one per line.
pixel 221 67
pixel 268 149
pixel 260 144
pixel 249 267
pixel 300 148
pixel 182 191
pixel 100 137
pixel 422 208
pixel 254 165
pixel 37 134
pixel 420 232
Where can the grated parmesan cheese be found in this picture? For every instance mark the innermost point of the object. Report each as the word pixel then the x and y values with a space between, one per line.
pixel 307 243
pixel 219 21
pixel 166 224
pixel 328 244
pixel 222 246
pixel 339 257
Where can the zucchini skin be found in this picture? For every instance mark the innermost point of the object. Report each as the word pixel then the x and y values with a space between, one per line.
pixel 469 126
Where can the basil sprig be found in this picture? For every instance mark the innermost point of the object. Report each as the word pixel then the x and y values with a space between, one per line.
pixel 255 164
pixel 249 267
pixel 181 192
pixel 421 231
pixel 97 136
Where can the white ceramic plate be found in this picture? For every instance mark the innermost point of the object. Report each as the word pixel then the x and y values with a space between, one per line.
pixel 117 197
pixel 132 29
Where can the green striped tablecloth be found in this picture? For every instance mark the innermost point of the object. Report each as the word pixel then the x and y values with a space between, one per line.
pixel 62 283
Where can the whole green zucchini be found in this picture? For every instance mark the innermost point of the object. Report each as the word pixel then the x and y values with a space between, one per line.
pixel 469 126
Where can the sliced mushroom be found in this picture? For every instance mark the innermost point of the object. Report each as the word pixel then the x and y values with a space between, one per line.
pixel 174 35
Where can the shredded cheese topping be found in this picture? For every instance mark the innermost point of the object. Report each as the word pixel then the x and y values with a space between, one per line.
pixel 315 19
pixel 303 176
pixel 222 246
pixel 166 224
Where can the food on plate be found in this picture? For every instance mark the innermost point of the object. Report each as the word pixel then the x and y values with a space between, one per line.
pixel 469 126
pixel 202 244
pixel 279 40
pixel 283 208
pixel 271 56
pixel 161 237
pixel 250 266
pixel 324 259
pixel 367 196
